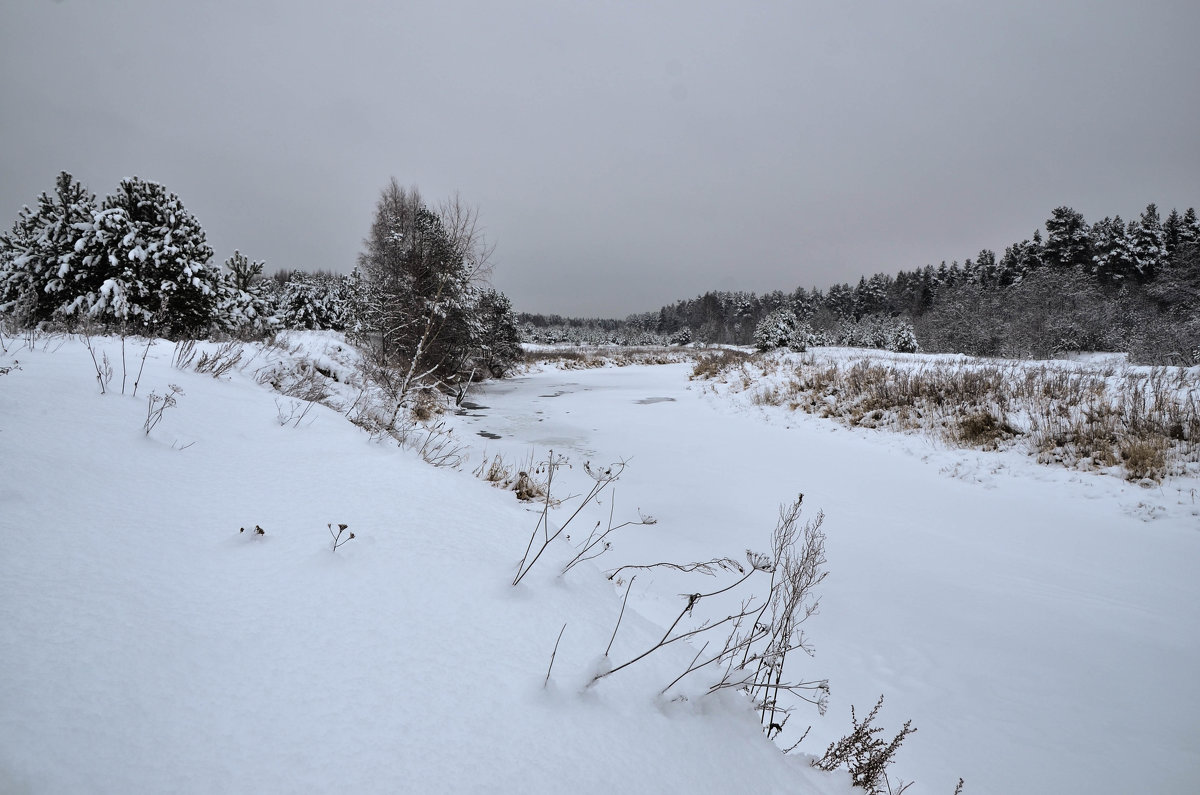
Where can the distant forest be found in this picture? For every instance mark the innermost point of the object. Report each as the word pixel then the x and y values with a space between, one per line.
pixel 1111 286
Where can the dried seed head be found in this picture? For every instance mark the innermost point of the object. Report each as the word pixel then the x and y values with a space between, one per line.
pixel 759 561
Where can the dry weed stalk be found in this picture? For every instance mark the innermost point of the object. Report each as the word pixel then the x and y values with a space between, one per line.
pixel 866 755
pixel 157 404
pixel 762 629
pixel 220 361
pixel 601 480
pixel 596 543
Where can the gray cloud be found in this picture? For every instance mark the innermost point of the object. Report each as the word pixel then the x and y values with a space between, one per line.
pixel 621 155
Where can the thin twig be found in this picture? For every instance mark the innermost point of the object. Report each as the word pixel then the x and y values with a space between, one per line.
pixel 620 616
pixel 553 654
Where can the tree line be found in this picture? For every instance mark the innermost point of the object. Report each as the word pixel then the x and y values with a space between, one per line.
pixel 1110 285
pixel 137 262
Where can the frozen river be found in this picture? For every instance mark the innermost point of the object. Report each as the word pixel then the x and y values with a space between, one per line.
pixel 1041 627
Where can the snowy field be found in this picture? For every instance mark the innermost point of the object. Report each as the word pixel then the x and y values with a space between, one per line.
pixel 148 646
pixel 1037 624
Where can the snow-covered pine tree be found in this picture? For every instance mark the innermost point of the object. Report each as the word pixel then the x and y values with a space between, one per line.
pixel 840 300
pixel 1067 243
pixel 986 267
pixel 316 301
pixel 245 272
pixel 145 260
pixel 775 330
pixel 1189 230
pixel 244 306
pixel 870 296
pixel 38 256
pixel 1148 244
pixel 1112 251
pixel 802 337
pixel 901 337
pixel 498 343
pixel 1172 228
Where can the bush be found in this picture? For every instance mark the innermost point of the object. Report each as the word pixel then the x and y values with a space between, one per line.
pixel 775 330
pixel 802 338
pixel 878 331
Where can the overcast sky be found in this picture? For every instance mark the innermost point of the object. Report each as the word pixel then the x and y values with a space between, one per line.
pixel 621 155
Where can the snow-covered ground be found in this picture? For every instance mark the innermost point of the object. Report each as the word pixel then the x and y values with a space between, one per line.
pixel 146 645
pixel 1039 625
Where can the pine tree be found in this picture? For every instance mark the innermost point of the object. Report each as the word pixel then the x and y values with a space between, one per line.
pixel 38 257
pixel 969 274
pixel 870 296
pixel 1112 257
pixel 1189 230
pixel 1035 253
pixel 840 300
pixel 1172 230
pixel 498 343
pixel 145 260
pixel 1067 243
pixel 775 330
pixel 986 268
pixel 1149 244
pixel 244 271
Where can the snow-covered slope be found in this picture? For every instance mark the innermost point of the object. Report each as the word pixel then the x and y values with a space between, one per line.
pixel 1039 625
pixel 146 645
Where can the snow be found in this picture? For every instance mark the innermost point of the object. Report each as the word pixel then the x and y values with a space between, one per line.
pixel 1037 624
pixel 149 646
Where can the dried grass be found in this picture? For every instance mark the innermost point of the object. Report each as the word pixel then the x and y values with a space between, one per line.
pixel 1098 416
pixel 585 358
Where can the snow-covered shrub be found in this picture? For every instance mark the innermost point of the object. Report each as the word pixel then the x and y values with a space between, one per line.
pixel 246 314
pixel 802 338
pixel 316 301
pixel 244 305
pixel 901 337
pixel 775 330
pixel 878 331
